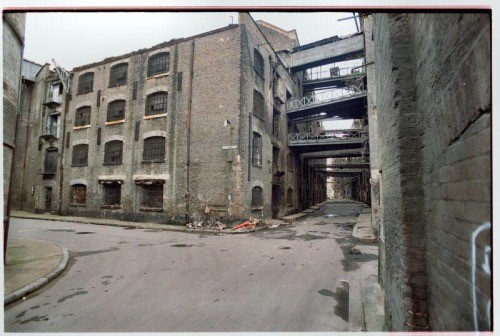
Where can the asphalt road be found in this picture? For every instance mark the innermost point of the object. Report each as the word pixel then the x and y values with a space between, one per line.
pixel 134 280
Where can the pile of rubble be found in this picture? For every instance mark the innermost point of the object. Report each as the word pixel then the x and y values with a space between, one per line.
pixel 208 224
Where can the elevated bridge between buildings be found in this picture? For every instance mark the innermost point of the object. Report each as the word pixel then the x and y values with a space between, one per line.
pixel 317 142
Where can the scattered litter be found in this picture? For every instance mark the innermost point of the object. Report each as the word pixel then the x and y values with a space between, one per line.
pixel 209 224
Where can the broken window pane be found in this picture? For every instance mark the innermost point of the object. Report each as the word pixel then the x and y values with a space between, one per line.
pixel 152 196
pixel 156 103
pixel 80 155
pixel 256 149
pixel 82 116
pixel 118 75
pixel 158 64
pixel 113 152
pixel 154 149
pixel 86 83
pixel 116 110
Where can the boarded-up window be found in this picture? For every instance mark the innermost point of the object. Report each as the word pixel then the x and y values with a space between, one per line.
pixel 156 103
pixel 258 62
pixel 86 83
pixel 82 116
pixel 80 155
pixel 154 149
pixel 112 193
pixel 50 166
pixel 116 110
pixel 79 194
pixel 257 197
pixel 259 109
pixel 152 196
pixel 113 152
pixel 158 64
pixel 118 75
pixel 257 149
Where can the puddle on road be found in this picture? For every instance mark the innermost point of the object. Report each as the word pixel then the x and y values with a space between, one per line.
pixel 84 232
pixel 182 245
pixel 35 319
pixel 86 253
pixel 107 277
pixel 21 314
pixel 60 230
pixel 285 248
pixel 341 295
pixel 71 295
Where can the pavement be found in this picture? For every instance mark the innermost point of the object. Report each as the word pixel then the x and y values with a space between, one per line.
pixel 31 264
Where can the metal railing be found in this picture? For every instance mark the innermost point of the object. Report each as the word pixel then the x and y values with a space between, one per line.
pixel 336 72
pixel 327 96
pixel 326 136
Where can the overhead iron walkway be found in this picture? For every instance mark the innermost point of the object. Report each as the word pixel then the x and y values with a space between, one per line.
pixel 333 77
pixel 338 139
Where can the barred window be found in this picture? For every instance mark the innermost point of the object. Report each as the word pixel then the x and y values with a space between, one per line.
pixel 156 103
pixel 116 110
pixel 256 149
pixel 158 64
pixel 258 62
pixel 154 149
pixel 86 83
pixel 112 193
pixel 259 109
pixel 118 75
pixel 80 155
pixel 152 196
pixel 82 116
pixel 113 152
pixel 257 197
pixel 79 194
pixel 50 165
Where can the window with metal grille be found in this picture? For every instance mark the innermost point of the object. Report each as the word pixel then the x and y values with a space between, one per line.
pixel 80 155
pixel 79 194
pixel 113 152
pixel 257 197
pixel 86 83
pixel 158 64
pixel 258 62
pixel 154 149
pixel 156 103
pixel 112 193
pixel 118 75
pixel 50 166
pixel 256 149
pixel 258 105
pixel 152 196
pixel 116 110
pixel 82 116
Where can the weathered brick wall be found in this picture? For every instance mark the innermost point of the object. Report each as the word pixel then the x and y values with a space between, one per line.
pixel 277 37
pixel 453 91
pixel 13 45
pixel 433 100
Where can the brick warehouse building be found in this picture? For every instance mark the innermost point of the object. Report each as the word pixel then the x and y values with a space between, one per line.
pixel 148 136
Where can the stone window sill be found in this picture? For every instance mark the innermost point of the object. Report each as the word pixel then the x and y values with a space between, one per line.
pixel 159 76
pixel 114 122
pixel 111 207
pixel 81 127
pixel 147 209
pixel 153 161
pixel 112 163
pixel 153 116
pixel 79 165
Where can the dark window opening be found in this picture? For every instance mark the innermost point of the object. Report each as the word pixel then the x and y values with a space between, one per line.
pixel 257 149
pixel 53 125
pixel 276 158
pixel 158 64
pixel 152 196
pixel 116 111
pixel 259 109
pixel 156 103
pixel 113 152
pixel 82 116
pixel 257 199
pixel 80 155
pixel 50 166
pixel 154 149
pixel 79 194
pixel 118 75
pixel 258 62
pixel 86 83
pixel 112 193
pixel 276 123
pixel 289 197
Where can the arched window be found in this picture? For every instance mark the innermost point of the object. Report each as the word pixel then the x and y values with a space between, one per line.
pixel 79 194
pixel 118 75
pixel 154 149
pixel 156 103
pixel 113 151
pixel 257 199
pixel 158 64
pixel 82 116
pixel 86 83
pixel 258 62
pixel 116 110
pixel 80 155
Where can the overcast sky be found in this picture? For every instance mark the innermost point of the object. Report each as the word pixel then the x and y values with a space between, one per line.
pixel 75 39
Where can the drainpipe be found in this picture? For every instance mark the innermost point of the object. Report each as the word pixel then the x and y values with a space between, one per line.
pixel 67 99
pixel 188 131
